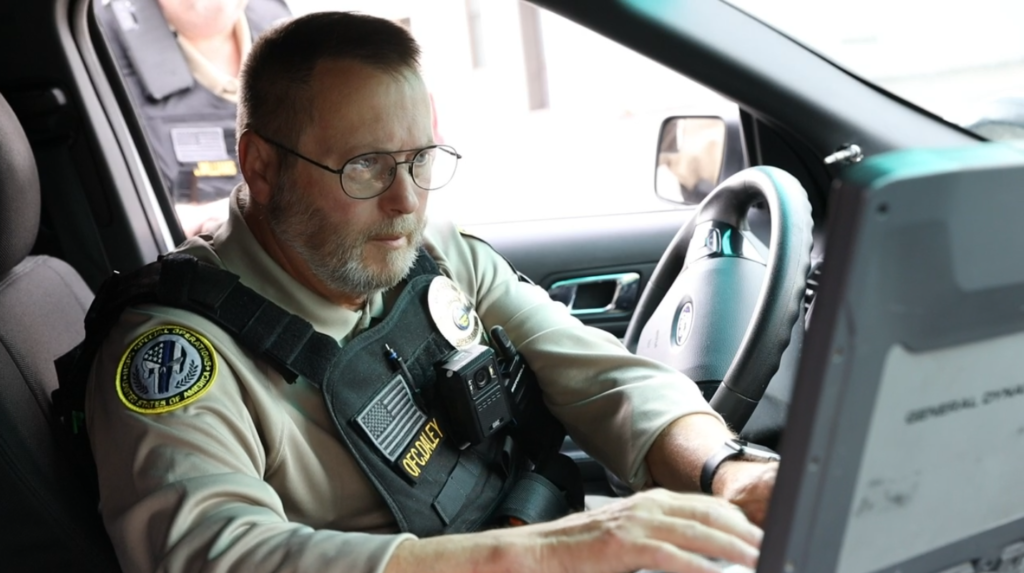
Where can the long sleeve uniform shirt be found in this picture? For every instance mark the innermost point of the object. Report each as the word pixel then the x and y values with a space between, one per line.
pixel 251 476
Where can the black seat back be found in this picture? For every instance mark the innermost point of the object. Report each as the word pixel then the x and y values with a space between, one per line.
pixel 49 519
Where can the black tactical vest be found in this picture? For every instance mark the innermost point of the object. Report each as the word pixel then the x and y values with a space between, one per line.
pixel 431 486
pixel 179 126
pixel 389 413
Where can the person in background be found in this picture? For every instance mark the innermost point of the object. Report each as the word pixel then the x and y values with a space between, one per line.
pixel 180 60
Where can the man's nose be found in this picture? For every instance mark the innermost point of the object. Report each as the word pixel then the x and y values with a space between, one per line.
pixel 403 196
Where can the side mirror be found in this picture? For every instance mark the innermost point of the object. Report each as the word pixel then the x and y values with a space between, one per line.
pixel 696 153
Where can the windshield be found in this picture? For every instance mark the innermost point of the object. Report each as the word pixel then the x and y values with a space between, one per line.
pixel 963 61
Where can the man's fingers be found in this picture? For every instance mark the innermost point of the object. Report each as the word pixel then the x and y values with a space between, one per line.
pixel 696 537
pixel 712 512
pixel 657 530
pixel 663 557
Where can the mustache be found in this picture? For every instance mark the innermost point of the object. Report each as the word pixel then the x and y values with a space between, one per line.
pixel 407 225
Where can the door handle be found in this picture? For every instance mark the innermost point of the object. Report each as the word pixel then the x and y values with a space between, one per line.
pixel 598 294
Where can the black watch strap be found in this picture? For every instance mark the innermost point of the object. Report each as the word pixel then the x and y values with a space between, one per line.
pixel 727 451
pixel 733 448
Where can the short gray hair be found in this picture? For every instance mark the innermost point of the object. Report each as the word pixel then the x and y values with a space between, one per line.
pixel 274 96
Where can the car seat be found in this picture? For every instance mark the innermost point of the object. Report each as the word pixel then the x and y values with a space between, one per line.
pixel 49 519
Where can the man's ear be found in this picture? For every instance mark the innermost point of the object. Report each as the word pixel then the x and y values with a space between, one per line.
pixel 260 166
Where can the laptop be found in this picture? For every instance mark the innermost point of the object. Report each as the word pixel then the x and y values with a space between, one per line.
pixel 904 449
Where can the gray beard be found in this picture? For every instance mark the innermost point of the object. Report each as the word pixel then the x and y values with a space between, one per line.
pixel 335 256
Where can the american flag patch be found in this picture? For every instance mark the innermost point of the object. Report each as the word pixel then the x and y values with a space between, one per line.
pixel 392 419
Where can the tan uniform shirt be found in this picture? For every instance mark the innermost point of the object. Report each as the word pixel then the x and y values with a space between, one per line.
pixel 251 476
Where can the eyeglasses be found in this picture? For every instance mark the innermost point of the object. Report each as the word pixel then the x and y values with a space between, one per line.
pixel 371 174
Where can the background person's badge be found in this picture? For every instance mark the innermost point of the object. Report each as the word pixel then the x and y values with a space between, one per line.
pixel 452 313
pixel 165 369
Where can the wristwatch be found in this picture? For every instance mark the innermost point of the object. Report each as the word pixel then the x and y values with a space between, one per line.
pixel 733 449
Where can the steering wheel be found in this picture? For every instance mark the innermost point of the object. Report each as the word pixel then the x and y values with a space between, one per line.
pixel 720 306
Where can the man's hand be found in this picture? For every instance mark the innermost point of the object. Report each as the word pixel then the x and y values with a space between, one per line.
pixel 656 529
pixel 678 455
pixel 748 485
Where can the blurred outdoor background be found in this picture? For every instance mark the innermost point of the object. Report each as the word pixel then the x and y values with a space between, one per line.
pixel 553 120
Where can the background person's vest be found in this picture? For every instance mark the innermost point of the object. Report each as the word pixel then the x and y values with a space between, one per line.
pixel 195 169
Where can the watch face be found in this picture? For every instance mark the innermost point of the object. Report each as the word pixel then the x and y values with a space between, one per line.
pixel 754 451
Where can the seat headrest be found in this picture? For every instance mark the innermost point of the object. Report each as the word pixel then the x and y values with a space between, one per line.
pixel 19 191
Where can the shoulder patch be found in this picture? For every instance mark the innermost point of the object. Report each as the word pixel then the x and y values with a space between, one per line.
pixel 165 369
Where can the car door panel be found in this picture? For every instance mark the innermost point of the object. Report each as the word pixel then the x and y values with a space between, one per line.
pixel 560 250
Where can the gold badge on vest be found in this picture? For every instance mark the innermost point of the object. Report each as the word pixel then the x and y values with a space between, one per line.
pixel 453 313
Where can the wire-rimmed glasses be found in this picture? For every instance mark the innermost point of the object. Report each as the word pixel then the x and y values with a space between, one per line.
pixel 368 175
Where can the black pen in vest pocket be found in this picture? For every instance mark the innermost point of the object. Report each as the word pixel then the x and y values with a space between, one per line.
pixel 400 365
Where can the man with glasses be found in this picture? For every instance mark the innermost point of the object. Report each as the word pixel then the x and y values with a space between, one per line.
pixel 285 419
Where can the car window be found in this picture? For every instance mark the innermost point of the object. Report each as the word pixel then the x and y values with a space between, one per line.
pixel 183 93
pixel 963 62
pixel 552 120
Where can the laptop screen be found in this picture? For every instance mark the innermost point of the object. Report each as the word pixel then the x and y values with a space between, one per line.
pixel 904 449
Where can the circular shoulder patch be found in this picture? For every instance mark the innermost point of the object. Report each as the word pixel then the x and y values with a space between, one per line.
pixel 165 369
